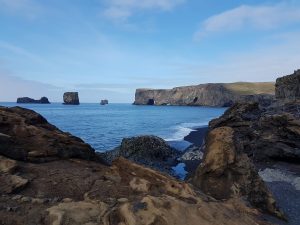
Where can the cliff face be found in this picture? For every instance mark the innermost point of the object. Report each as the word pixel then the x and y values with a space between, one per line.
pixel 288 87
pixel 222 95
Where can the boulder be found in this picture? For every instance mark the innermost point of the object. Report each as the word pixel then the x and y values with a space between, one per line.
pixel 288 87
pixel 147 150
pixel 227 173
pixel 71 98
pixel 27 136
pixel 27 100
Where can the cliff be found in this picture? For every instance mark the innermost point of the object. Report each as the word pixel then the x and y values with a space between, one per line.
pixel 222 95
pixel 27 100
pixel 288 87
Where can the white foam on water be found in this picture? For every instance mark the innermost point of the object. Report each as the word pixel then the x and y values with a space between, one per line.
pixel 183 130
pixel 272 175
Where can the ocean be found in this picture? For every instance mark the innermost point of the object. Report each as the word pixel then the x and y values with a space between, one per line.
pixel 104 127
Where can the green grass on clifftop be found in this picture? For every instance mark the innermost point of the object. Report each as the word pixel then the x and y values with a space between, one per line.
pixel 247 88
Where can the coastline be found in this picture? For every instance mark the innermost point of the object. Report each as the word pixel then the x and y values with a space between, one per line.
pixel 197 136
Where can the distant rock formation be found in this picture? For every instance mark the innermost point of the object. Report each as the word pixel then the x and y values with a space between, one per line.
pixel 104 102
pixel 288 87
pixel 26 100
pixel 71 98
pixel 221 95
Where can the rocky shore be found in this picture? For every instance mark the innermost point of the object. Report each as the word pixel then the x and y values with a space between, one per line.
pixel 52 177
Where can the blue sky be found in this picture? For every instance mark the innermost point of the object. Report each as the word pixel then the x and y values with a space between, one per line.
pixel 108 48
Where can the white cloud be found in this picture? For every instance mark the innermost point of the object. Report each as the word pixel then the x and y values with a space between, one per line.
pixel 265 62
pixel 123 9
pixel 264 17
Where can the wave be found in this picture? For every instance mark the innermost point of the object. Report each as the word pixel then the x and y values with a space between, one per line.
pixel 184 129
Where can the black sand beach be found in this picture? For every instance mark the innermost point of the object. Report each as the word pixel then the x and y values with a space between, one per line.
pixel 197 137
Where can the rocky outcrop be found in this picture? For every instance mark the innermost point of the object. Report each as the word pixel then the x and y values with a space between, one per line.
pixel 73 189
pixel 71 98
pixel 27 100
pixel 265 134
pixel 27 136
pixel 147 150
pixel 104 102
pixel 288 87
pixel 222 95
pixel 227 173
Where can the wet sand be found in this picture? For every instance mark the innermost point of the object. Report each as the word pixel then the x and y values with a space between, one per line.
pixel 197 137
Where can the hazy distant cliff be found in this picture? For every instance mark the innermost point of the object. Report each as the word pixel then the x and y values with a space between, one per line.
pixel 207 94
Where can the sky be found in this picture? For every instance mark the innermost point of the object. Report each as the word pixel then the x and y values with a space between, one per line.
pixel 105 49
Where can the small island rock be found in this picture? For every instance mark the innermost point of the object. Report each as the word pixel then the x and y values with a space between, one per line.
pixel 26 100
pixel 71 98
pixel 104 102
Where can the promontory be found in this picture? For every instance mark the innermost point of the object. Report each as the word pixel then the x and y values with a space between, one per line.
pixel 212 94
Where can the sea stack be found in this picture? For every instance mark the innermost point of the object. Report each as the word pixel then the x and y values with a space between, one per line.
pixel 71 98
pixel 104 102
pixel 26 100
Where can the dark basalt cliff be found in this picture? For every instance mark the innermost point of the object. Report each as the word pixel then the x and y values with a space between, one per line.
pixel 288 87
pixel 222 95
pixel 27 100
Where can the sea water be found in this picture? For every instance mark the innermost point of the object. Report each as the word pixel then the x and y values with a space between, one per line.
pixel 104 127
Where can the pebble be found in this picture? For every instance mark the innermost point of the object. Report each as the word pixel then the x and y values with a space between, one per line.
pixel 122 200
pixel 26 199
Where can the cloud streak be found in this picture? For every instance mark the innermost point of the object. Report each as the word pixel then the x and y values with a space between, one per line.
pixel 262 17
pixel 121 10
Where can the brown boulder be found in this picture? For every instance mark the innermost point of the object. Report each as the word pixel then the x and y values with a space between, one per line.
pixel 227 173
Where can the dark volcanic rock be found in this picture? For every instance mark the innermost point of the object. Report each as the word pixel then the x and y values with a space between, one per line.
pixel 26 135
pixel 222 95
pixel 288 87
pixel 104 102
pixel 147 150
pixel 43 100
pixel 271 133
pixel 71 98
pixel 227 173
